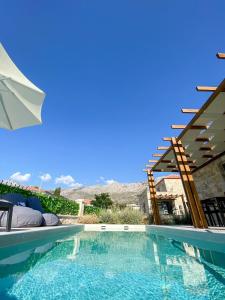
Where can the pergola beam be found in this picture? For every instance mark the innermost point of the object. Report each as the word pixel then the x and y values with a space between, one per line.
pixel 178 126
pixel 167 139
pixel 194 127
pixel 202 139
pixel 205 148
pixel 220 55
pixel 153 160
pixel 200 88
pixel 162 148
pixel 157 155
pixel 189 110
pixel 207 156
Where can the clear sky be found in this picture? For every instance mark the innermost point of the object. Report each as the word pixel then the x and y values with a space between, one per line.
pixel 116 74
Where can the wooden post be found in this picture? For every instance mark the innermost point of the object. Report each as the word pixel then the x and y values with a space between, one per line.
pixel 152 190
pixel 196 210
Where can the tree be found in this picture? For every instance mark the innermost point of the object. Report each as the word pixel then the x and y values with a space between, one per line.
pixel 102 200
pixel 57 191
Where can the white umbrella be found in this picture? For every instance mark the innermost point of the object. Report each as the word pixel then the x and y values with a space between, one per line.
pixel 20 99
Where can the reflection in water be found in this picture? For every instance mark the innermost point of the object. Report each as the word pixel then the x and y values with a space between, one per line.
pixel 76 248
pixel 110 265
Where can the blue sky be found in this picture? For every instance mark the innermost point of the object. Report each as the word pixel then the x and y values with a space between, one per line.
pixel 116 74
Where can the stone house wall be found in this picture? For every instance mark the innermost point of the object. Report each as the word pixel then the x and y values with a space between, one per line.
pixel 165 186
pixel 144 201
pixel 174 186
pixel 210 180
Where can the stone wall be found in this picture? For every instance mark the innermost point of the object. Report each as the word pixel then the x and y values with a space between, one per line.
pixel 68 219
pixel 144 201
pixel 210 180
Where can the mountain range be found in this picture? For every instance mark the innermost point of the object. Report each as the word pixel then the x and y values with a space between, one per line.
pixel 119 192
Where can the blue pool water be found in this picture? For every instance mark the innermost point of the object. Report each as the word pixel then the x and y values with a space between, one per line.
pixel 111 265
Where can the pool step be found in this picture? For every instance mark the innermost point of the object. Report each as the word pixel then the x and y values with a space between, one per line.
pixel 114 227
pixel 125 227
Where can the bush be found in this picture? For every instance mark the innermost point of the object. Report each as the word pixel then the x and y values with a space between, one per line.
pixel 88 219
pixel 175 220
pixel 109 217
pixel 167 219
pixel 53 204
pixel 88 210
pixel 131 216
pixel 125 216
pixel 148 219
pixel 183 220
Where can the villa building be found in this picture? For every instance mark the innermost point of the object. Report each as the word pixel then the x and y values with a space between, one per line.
pixel 170 195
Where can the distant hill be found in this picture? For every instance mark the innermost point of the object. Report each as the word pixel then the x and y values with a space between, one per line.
pixel 119 192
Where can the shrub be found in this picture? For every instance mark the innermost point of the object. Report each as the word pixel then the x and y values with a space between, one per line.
pixel 183 220
pixel 148 219
pixel 50 203
pixel 175 220
pixel 88 210
pixel 88 219
pixel 109 217
pixel 125 216
pixel 167 219
pixel 131 216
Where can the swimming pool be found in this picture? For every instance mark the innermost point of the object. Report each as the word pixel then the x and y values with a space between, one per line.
pixel 111 265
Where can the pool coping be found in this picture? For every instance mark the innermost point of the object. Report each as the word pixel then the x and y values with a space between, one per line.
pixel 24 235
pixel 210 239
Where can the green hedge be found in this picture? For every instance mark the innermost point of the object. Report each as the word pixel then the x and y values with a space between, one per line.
pixel 90 210
pixel 50 203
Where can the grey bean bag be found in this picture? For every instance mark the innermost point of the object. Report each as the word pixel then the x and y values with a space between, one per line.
pixel 49 219
pixel 23 217
pixel 31 206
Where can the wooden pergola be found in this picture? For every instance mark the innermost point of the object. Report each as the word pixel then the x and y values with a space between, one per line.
pixel 200 141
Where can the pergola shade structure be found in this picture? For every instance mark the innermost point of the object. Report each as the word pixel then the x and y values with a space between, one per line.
pixel 200 141
pixel 203 138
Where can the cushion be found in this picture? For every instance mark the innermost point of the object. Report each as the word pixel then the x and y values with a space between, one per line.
pixel 23 217
pixel 35 203
pixel 50 219
pixel 14 198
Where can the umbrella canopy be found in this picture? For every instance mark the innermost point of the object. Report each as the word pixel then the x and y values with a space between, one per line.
pixel 20 99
